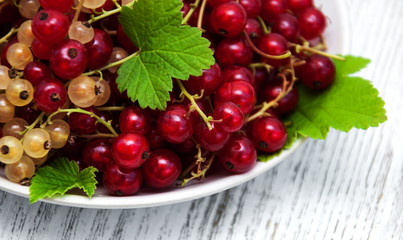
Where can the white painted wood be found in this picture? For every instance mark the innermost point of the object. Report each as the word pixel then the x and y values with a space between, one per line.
pixel 347 187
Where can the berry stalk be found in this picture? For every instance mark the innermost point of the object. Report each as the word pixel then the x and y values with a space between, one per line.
pixel 108 124
pixel 109 13
pixel 8 35
pixel 194 104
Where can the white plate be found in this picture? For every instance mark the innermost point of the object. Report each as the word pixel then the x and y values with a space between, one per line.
pixel 338 39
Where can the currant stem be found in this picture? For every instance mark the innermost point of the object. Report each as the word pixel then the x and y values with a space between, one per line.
pixel 112 64
pixel 111 108
pixel 300 48
pixel 264 26
pixel 194 104
pixel 37 120
pixel 193 7
pixel 274 102
pixel 8 35
pixel 78 10
pixel 78 110
pixel 260 65
pixel 201 14
pixel 202 174
pixel 258 51
pixel 97 135
pixel 109 13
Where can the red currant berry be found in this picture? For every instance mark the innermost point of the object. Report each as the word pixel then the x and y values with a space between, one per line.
pixel 125 41
pixel 194 116
pixel 99 49
pixel 58 5
pixel 312 23
pixel 28 112
pixel 134 120
pixel 254 30
pixel 83 123
pixel 268 134
pixel 228 19
pixel 233 51
pixel 298 6
pixel 130 150
pixel 121 183
pixel 97 153
pixel 211 140
pixel 41 50
pixel 319 72
pixel 239 92
pixel 274 88
pixel 252 7
pixel 69 59
pixel 209 81
pixel 155 139
pixel 50 95
pixel 272 8
pixel 238 155
pixel 162 169
pixel 231 116
pixel 238 73
pixel 50 26
pixel 173 124
pixel 274 44
pixel 36 71
pixel 287 25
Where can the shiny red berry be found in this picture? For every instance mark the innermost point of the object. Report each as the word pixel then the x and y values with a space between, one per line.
pixel 319 72
pixel 233 51
pixel 134 120
pixel 58 5
pixel 41 50
pixel 36 71
pixel 252 7
pixel 173 125
pixel 287 104
pixel 238 73
pixel 130 150
pixel 238 155
pixel 97 153
pixel 230 115
pixel 268 134
pixel 240 93
pixel 272 8
pixel 312 23
pixel 298 6
pixel 69 59
pixel 211 140
pixel 228 19
pixel 274 44
pixel 287 25
pixel 50 95
pixel 99 49
pixel 209 81
pixel 83 123
pixel 50 26
pixel 162 168
pixel 122 183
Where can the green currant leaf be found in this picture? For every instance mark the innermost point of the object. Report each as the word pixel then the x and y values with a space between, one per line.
pixel 167 50
pixel 59 177
pixel 351 102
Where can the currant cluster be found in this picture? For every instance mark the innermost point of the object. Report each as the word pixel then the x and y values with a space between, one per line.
pixel 58 92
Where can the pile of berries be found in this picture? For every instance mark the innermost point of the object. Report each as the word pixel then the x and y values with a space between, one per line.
pixel 58 92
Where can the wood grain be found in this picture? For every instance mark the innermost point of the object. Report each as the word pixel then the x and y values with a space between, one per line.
pixel 347 187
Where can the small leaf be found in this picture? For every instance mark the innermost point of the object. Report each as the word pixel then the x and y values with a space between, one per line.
pixel 59 177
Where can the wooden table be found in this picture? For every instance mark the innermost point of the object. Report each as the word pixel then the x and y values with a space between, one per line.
pixel 349 186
